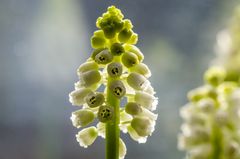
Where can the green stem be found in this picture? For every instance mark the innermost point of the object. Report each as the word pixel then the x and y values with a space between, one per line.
pixel 112 128
pixel 217 142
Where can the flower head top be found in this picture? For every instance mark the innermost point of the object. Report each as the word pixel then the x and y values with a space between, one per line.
pixel 211 128
pixel 114 72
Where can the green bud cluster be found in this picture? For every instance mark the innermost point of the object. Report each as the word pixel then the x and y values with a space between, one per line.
pixel 211 118
pixel 115 65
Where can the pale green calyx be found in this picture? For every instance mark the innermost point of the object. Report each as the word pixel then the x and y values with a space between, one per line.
pixel 211 118
pixel 113 87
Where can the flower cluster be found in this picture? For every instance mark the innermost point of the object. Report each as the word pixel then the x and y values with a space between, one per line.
pixel 211 128
pixel 115 67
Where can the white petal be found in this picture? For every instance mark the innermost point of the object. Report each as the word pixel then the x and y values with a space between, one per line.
pixel 101 127
pixel 146 100
pixel 125 120
pixel 87 136
pixel 149 114
pixel 150 90
pixel 122 149
pixel 129 90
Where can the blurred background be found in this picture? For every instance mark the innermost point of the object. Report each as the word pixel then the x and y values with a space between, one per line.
pixel 42 43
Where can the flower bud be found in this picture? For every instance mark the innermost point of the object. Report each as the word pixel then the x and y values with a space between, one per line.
pixel 133 108
pixel 118 26
pixel 117 49
pixel 129 59
pixel 103 57
pixel 94 99
pixel 114 69
pixel 128 24
pixel 133 39
pixel 124 35
pixel 135 50
pixel 142 69
pixel 81 118
pixel 105 113
pixel 137 81
pixel 87 66
pixel 146 100
pixel 142 126
pixel 117 88
pixel 90 78
pixel 98 40
pixel 109 32
pixel 215 75
pixel 87 136
pixel 77 97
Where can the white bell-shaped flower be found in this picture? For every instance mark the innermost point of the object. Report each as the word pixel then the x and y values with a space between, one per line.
pixel 87 136
pixel 82 117
pixel 77 97
pixel 146 100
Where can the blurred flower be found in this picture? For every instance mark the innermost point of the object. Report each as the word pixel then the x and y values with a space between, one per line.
pixel 211 128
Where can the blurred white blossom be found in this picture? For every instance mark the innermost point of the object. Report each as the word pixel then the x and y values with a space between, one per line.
pixel 211 128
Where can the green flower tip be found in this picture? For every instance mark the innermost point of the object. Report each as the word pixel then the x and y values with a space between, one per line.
pixel 113 26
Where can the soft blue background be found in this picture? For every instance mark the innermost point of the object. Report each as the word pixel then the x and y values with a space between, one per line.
pixel 42 42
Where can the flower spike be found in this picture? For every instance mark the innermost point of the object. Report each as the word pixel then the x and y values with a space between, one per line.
pixel 211 118
pixel 115 65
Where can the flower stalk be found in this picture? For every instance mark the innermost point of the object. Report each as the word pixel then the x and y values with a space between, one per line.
pixel 112 127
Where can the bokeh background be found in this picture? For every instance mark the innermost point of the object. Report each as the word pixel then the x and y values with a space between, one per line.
pixel 42 42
